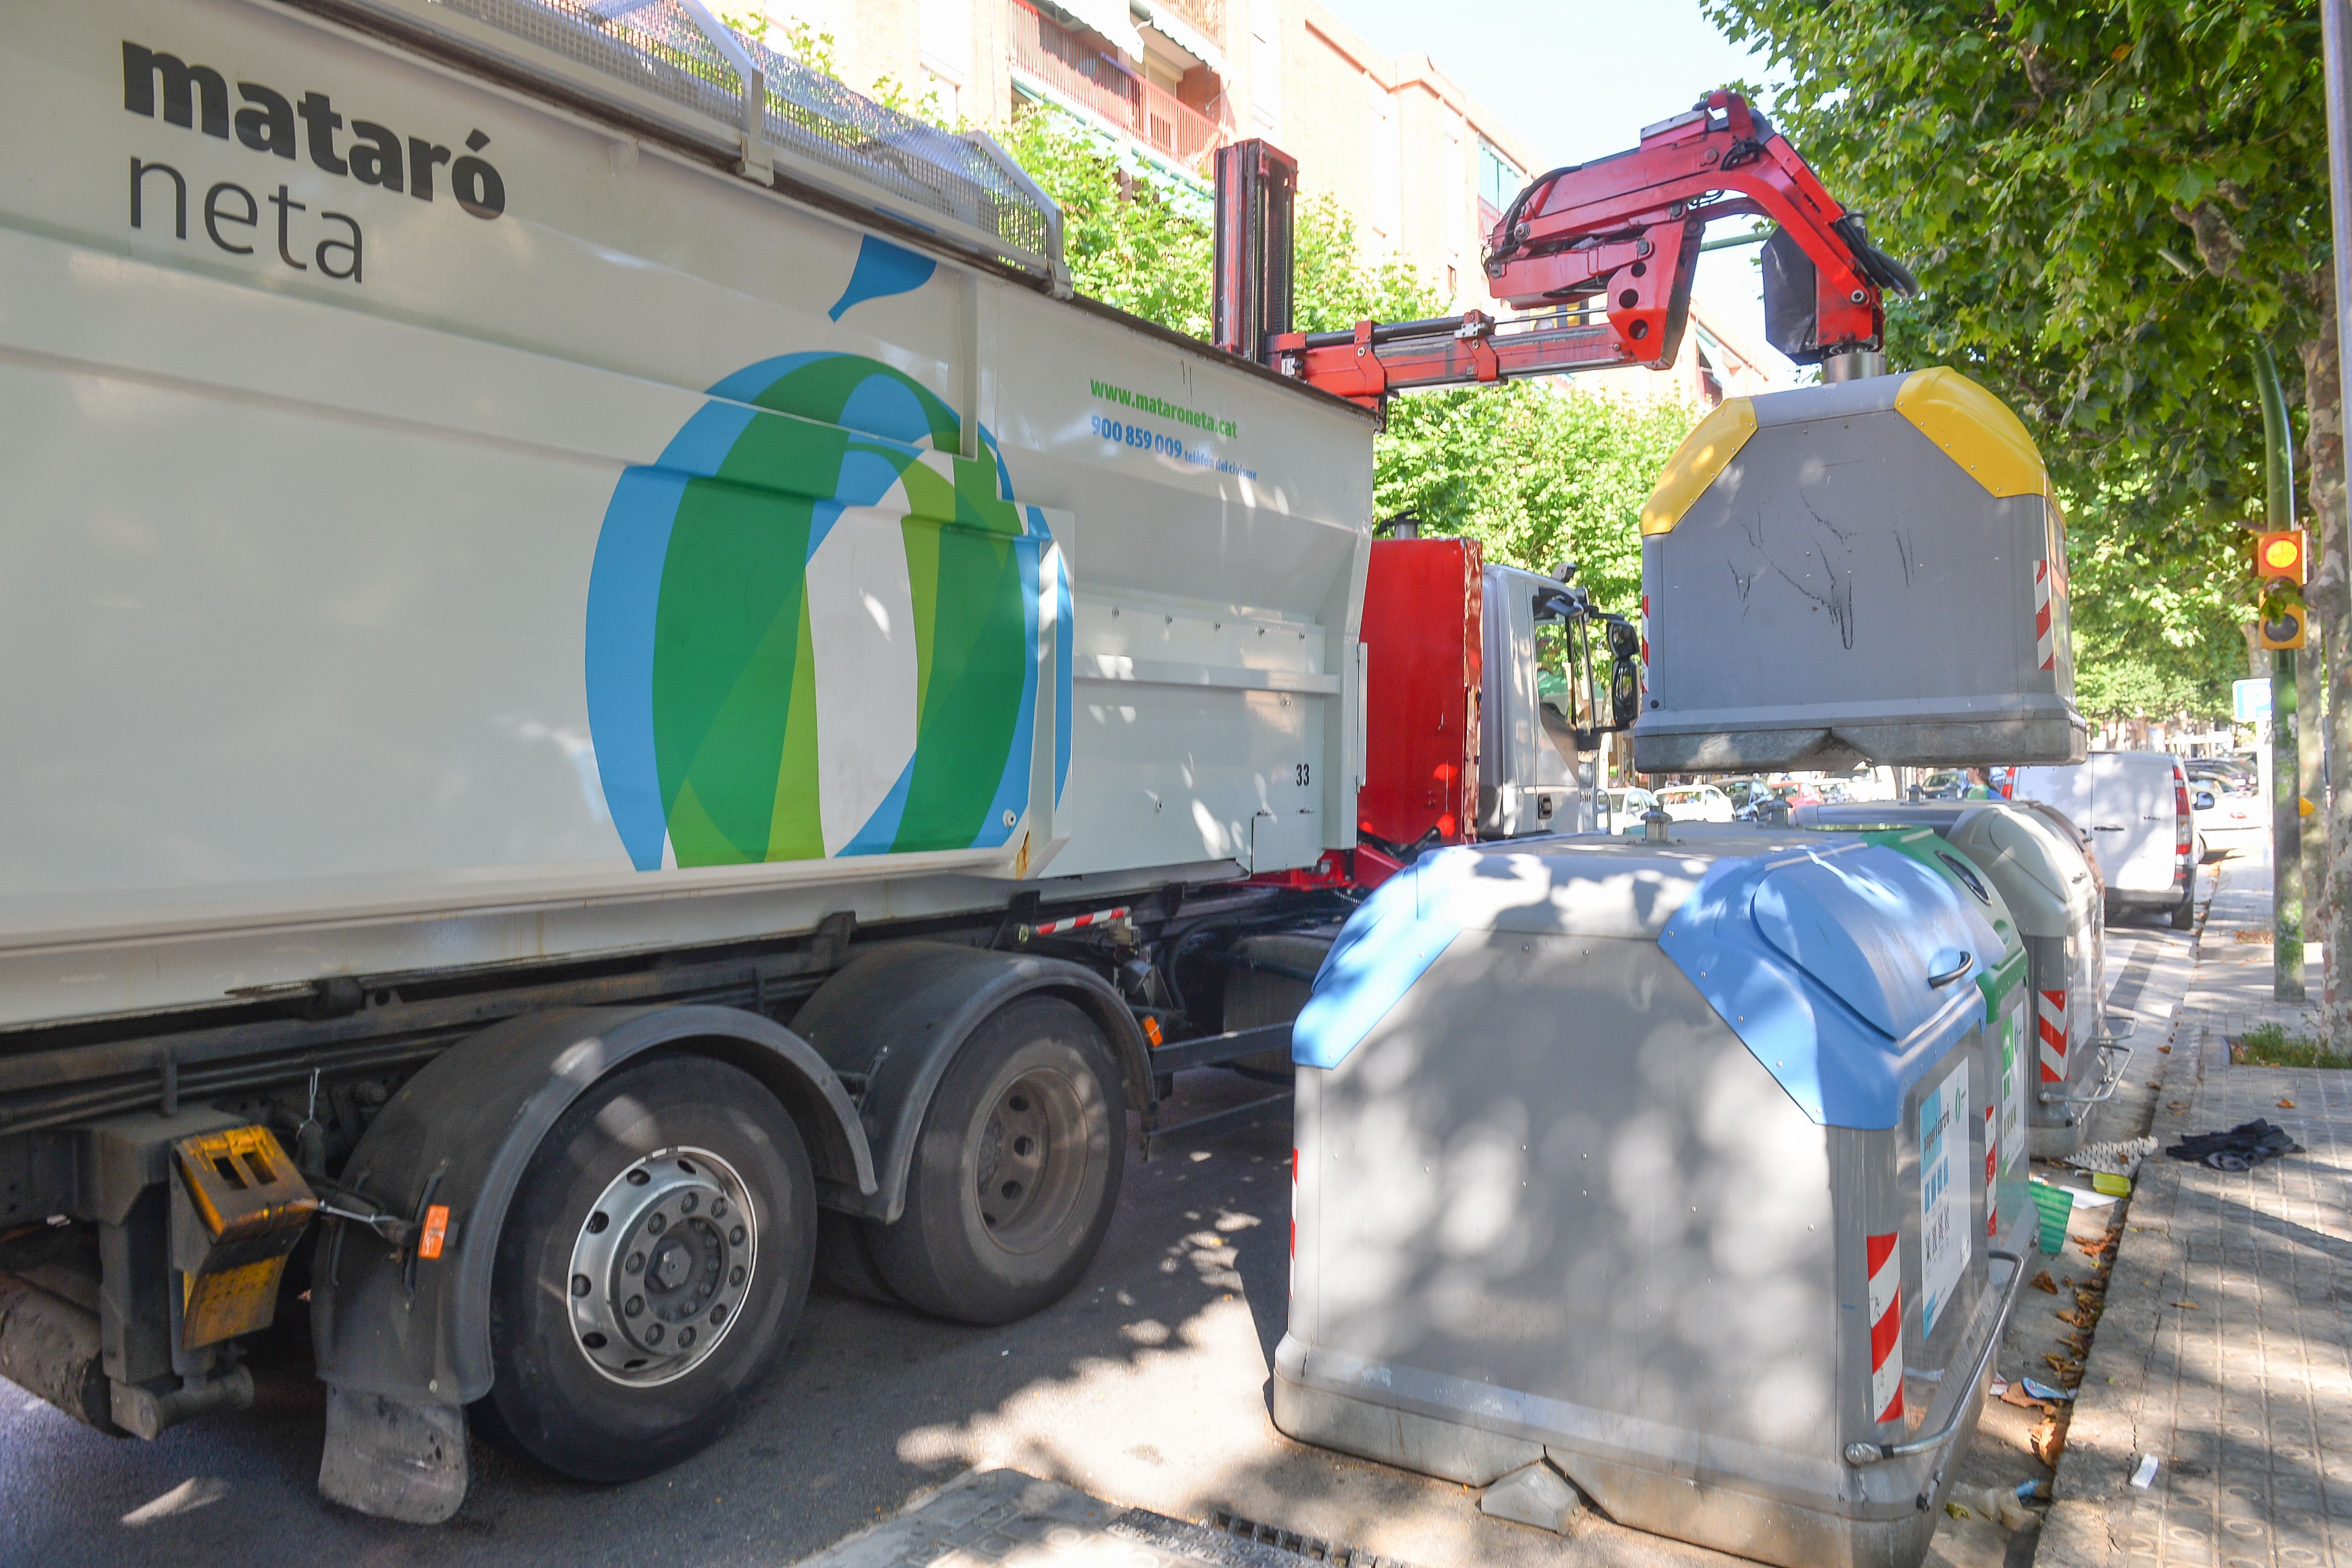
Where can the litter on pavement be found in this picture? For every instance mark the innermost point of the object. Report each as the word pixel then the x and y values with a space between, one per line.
pixel 2119 1157
pixel 2241 1147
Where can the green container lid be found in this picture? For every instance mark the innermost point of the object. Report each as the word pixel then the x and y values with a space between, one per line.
pixel 1933 850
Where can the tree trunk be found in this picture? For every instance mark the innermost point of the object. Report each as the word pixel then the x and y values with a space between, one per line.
pixel 2330 596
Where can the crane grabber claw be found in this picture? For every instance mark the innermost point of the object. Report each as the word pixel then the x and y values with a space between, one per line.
pixel 1600 255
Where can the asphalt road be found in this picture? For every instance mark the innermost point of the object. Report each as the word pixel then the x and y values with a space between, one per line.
pixel 1147 1386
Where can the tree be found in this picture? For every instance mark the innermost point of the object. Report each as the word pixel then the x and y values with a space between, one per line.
pixel 1537 476
pixel 2108 203
pixel 2154 637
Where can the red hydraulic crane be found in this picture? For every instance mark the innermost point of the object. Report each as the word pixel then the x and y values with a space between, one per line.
pixel 1601 254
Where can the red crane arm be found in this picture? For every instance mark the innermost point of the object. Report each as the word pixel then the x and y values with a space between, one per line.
pixel 1621 235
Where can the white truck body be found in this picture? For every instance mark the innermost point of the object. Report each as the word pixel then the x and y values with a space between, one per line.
pixel 2128 804
pixel 640 558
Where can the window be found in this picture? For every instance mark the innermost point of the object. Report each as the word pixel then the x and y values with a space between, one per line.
pixel 1265 63
pixel 1500 180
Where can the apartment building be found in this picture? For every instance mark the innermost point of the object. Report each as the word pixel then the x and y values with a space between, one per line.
pixel 1423 168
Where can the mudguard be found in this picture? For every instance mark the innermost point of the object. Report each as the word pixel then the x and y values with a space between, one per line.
pixel 460 1133
pixel 894 1018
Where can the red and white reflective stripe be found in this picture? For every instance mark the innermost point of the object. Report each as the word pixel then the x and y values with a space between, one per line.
pixel 1885 1328
pixel 2045 642
pixel 1992 1177
pixel 2051 1047
pixel 1079 922
pixel 1645 631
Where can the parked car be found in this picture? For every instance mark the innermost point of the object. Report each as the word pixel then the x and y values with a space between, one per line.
pixel 1622 810
pixel 1856 784
pixel 1697 802
pixel 2227 822
pixel 1796 791
pixel 2136 807
pixel 2228 774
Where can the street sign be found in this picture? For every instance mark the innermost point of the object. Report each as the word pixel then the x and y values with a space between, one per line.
pixel 2249 700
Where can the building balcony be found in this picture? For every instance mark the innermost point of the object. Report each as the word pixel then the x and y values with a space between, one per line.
pixel 1071 64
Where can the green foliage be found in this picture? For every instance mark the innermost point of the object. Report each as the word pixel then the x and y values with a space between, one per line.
pixel 2270 1046
pixel 2157 613
pixel 2103 199
pixel 1129 240
pixel 1537 475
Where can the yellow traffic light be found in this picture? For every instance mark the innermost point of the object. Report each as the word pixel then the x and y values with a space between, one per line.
pixel 2283 557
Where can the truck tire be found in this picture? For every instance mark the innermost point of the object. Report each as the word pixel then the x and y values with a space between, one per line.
pixel 1015 1172
pixel 655 1257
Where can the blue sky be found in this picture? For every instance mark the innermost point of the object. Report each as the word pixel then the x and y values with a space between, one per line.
pixel 1576 80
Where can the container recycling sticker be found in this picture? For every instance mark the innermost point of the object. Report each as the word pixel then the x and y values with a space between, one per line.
pixel 1944 1240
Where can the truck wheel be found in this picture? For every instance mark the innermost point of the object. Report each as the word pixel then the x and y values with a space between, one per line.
pixel 1015 1172
pixel 655 1257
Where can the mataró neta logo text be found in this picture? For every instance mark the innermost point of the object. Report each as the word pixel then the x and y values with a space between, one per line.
pixel 265 121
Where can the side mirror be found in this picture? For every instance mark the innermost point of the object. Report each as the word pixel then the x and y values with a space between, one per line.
pixel 2204 800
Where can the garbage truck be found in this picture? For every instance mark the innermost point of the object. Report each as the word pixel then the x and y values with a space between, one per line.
pixel 618 695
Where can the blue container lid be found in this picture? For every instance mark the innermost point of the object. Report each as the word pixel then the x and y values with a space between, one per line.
pixel 1816 949
pixel 1821 961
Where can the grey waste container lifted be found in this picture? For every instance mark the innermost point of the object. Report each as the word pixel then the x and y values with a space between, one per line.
pixel 1869 570
pixel 2054 892
pixel 1664 1161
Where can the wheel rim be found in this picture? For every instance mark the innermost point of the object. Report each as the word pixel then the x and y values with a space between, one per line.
pixel 1033 1154
pixel 662 1265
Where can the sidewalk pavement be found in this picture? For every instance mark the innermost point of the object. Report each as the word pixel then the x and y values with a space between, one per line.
pixel 2225 1350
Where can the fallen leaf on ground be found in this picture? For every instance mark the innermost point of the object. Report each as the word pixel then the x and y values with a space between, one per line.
pixel 2187 1306
pixel 2164 1050
pixel 2061 1365
pixel 2178 1106
pixel 2286 1105
pixel 2042 1281
pixel 2077 1346
pixel 2048 1441
pixel 2025 1401
pixel 1956 1510
pixel 2068 1315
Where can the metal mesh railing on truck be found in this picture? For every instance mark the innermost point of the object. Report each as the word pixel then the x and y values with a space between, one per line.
pixel 668 48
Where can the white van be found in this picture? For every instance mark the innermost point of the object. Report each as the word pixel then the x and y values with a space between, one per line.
pixel 2135 807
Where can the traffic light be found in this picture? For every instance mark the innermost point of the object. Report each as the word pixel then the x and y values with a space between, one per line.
pixel 2282 625
pixel 2283 562
pixel 2283 557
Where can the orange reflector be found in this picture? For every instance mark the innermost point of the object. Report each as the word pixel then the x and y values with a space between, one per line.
pixel 436 1226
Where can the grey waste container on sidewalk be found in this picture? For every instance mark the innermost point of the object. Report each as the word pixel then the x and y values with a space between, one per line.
pixel 2054 892
pixel 1666 1163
